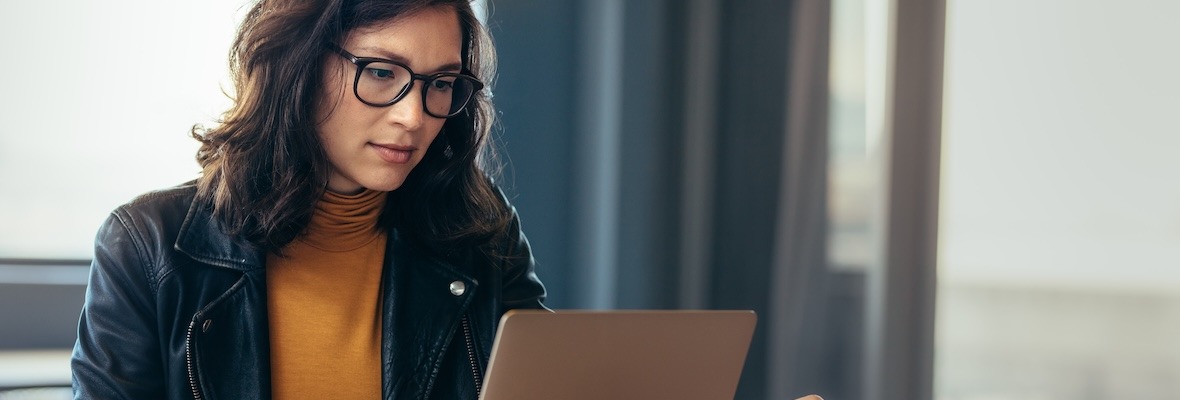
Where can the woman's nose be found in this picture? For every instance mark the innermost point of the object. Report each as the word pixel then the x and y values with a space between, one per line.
pixel 409 112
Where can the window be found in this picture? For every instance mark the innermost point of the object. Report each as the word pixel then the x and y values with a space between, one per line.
pixel 1060 224
pixel 99 99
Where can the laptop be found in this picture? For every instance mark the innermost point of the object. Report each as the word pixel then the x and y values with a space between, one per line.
pixel 574 355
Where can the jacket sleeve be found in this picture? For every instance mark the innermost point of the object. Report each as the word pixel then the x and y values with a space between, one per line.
pixel 521 287
pixel 117 354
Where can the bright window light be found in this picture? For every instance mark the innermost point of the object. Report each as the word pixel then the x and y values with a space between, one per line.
pixel 99 99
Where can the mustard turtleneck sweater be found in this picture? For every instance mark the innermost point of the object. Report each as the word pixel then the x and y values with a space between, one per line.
pixel 324 303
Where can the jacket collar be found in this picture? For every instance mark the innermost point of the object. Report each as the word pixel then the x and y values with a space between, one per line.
pixel 203 238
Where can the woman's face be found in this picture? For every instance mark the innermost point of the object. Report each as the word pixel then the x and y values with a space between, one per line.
pixel 376 147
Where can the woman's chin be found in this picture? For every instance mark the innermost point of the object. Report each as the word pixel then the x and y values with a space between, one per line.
pixel 385 185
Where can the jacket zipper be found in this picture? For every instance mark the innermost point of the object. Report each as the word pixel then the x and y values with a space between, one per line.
pixel 188 361
pixel 471 356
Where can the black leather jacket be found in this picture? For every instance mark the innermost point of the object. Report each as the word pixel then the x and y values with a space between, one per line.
pixel 176 309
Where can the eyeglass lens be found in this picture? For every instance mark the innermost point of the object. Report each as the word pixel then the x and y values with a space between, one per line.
pixel 445 95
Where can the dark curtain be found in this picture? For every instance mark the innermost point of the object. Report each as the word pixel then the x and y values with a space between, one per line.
pixel 670 154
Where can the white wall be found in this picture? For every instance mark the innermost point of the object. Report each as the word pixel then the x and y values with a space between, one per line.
pixel 1060 208
pixel 97 104
pixel 1061 151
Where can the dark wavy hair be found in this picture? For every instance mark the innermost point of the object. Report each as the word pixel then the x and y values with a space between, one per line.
pixel 264 168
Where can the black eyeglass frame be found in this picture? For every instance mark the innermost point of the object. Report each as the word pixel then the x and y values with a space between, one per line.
pixel 362 62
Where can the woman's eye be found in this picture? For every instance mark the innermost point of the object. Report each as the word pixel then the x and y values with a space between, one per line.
pixel 441 85
pixel 379 73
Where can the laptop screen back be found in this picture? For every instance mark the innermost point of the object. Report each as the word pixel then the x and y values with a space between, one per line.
pixel 618 355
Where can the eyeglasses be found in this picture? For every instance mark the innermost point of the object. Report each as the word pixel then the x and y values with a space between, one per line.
pixel 380 83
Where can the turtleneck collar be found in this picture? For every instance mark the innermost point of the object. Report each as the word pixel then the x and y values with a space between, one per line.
pixel 345 222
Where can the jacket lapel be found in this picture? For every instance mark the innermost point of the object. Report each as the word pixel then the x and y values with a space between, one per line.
pixel 236 319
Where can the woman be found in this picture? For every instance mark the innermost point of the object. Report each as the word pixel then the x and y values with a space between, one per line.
pixel 343 240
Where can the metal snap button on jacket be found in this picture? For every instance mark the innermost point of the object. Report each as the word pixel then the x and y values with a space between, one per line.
pixel 458 287
pixel 205 326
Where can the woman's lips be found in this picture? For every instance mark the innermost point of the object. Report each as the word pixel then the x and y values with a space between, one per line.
pixel 393 154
